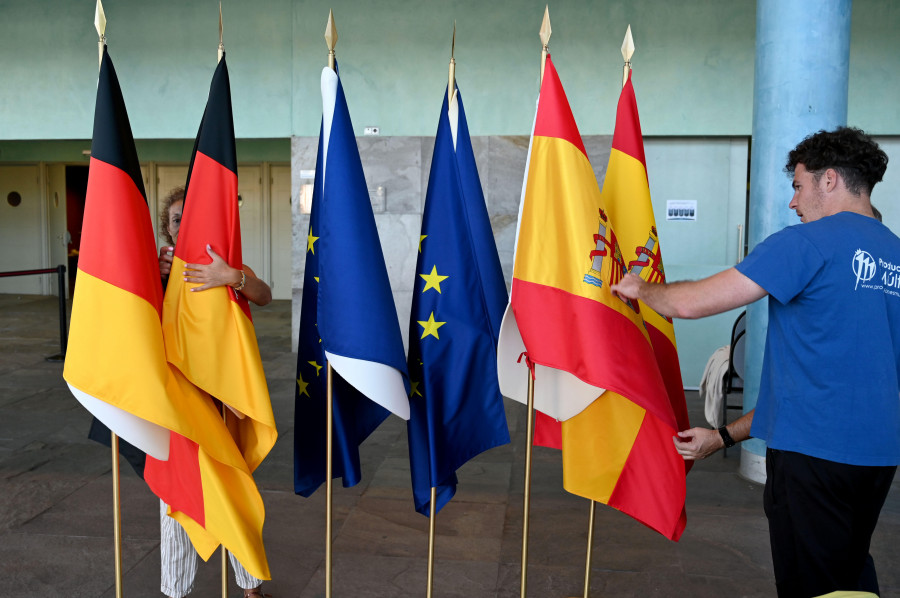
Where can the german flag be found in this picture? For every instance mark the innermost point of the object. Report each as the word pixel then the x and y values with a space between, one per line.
pixel 210 339
pixel 115 360
pixel 601 364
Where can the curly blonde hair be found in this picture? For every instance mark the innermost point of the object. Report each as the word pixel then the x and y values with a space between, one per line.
pixel 176 194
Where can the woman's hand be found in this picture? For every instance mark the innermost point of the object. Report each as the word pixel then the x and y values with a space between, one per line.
pixel 215 274
pixel 165 261
pixel 219 274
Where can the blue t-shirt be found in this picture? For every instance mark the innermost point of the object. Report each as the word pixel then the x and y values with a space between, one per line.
pixel 829 385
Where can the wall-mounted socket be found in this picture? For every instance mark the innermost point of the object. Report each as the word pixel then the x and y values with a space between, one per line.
pixel 372 131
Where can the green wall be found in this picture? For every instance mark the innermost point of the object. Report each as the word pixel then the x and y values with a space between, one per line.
pixel 693 64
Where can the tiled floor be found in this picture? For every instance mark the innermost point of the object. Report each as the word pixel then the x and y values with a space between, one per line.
pixel 56 507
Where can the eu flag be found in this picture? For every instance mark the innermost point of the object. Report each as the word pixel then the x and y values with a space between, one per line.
pixel 456 409
pixel 348 316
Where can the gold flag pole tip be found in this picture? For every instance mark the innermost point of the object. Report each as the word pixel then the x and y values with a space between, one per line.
pixel 545 33
pixel 221 43
pixel 627 52
pixel 100 26
pixel 331 37
pixel 451 86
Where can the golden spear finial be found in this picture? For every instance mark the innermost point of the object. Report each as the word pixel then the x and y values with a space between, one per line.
pixel 221 44
pixel 545 38
pixel 100 26
pixel 331 38
pixel 627 51
pixel 451 88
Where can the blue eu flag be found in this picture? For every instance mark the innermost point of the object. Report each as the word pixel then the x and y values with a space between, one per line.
pixel 348 318
pixel 456 409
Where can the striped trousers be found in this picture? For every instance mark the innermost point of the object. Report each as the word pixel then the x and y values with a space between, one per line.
pixel 179 560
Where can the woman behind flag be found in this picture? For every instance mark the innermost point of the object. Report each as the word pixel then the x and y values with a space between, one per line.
pixel 178 559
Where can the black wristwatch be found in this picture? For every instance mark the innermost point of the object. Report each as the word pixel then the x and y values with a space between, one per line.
pixel 726 437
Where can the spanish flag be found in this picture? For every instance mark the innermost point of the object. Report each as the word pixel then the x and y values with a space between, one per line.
pixel 210 339
pixel 115 360
pixel 617 451
pixel 602 366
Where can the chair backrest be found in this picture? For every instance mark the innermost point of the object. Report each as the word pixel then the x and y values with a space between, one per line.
pixel 738 341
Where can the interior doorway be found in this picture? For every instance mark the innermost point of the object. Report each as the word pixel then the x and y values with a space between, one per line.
pixel 76 191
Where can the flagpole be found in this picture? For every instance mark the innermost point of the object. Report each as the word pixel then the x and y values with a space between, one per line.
pixel 545 38
pixel 627 51
pixel 117 512
pixel 544 33
pixel 221 44
pixel 429 584
pixel 221 53
pixel 329 441
pixel 590 543
pixel 527 494
pixel 224 551
pixel 331 37
pixel 451 86
pixel 100 26
pixel 431 516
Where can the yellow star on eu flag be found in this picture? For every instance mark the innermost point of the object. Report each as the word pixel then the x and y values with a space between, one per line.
pixel 302 386
pixel 433 280
pixel 421 238
pixel 315 365
pixel 430 327
pixel 414 388
pixel 310 242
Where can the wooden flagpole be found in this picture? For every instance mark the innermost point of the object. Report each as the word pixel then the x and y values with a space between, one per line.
pixel 529 442
pixel 117 511
pixel 224 550
pixel 331 37
pixel 429 584
pixel 431 516
pixel 627 51
pixel 221 53
pixel 224 411
pixel 100 26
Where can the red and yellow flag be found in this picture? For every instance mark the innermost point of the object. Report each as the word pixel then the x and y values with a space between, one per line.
pixel 115 360
pixel 617 451
pixel 210 339
pixel 585 343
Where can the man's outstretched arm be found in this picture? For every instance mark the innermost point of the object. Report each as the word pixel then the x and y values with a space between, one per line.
pixel 692 299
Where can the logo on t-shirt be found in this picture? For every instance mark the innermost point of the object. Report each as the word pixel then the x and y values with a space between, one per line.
pixel 863 267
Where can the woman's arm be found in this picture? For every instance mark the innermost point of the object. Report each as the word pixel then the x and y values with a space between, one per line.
pixel 218 273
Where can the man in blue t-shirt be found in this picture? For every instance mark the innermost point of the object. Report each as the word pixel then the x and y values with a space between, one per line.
pixel 829 399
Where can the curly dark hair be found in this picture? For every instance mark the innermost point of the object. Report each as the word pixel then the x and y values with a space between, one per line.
pixel 849 151
pixel 176 194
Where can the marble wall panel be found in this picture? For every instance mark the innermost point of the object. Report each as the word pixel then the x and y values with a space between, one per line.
pixel 481 149
pixel 399 236
pixel 296 305
pixel 393 165
pixel 403 302
pixel 427 145
pixel 598 148
pixel 506 156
